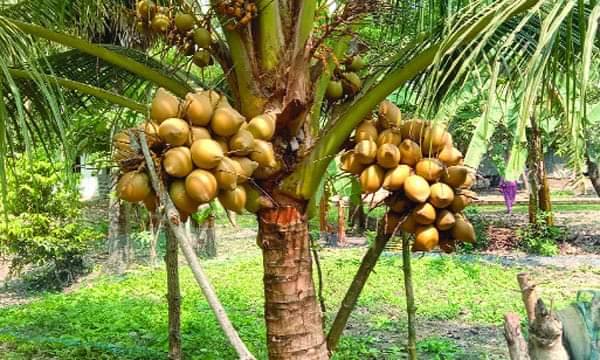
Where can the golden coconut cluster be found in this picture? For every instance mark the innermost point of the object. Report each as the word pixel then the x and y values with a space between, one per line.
pixel 206 150
pixel 239 12
pixel 417 163
pixel 180 29
pixel 346 81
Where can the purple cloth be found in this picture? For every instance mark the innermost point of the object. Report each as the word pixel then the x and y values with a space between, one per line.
pixel 509 190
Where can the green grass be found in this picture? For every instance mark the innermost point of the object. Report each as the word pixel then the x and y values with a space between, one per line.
pixel 522 209
pixel 126 318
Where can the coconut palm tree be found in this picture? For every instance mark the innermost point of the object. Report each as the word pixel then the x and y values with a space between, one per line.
pixel 280 60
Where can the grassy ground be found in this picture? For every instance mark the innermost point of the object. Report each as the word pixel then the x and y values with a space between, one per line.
pixel 459 306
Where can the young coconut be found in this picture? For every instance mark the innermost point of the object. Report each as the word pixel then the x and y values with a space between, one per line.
pixel 134 186
pixel 144 9
pixel 371 179
pixel 410 152
pixel 434 139
pixel 183 202
pixel 202 58
pixel 164 106
pixel 351 83
pixel 461 201
pixel 424 214
pixel 263 153
pixel 356 63
pixel 469 181
pixel 174 131
pixel 365 131
pixel 246 168
pixel 450 156
pixel 334 90
pixel 263 172
pixel 463 230
pixel 262 126
pixel 184 22
pixel 253 203
pixel 430 169
pixel 242 143
pixel 198 109
pixel 178 161
pixel 206 153
pixel 426 238
pixel 416 188
pixel 389 115
pixel 394 179
pixel 445 220
pixel 213 96
pixel 197 133
pixel 122 142
pixel 389 136
pixel 223 143
pixel 202 38
pixel 365 151
pixel 455 176
pixel 234 199
pixel 441 195
pixel 160 23
pixel 388 156
pixel 414 130
pixel 226 121
pixel 226 174
pixel 201 185
pixel 350 164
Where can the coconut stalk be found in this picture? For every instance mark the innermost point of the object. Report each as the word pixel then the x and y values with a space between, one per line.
pixel 176 226
pixel 173 297
pixel 410 298
pixel 362 275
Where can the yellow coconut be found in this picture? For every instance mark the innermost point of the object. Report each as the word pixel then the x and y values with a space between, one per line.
pixel 461 200
pixel 197 133
pixel 371 179
pixel 226 121
pixel 213 96
pixel 351 83
pixel 430 169
pixel 434 139
pixel 397 203
pixel 389 136
pixel 149 128
pixel 184 22
pixel 410 152
pixel 416 188
pixel 445 220
pixel 441 195
pixel 223 143
pixel 151 202
pixel 242 143
pixel 426 238
pixel 365 131
pixel 226 174
pixel 178 161
pixel 394 179
pixel 164 106
pixel 134 186
pixel 246 168
pixel 463 230
pixel 206 153
pixel 198 109
pixel 424 214
pixel 253 203
pixel 263 153
pixel 388 156
pixel 263 172
pixel 365 151
pixel 413 129
pixel 160 23
pixel 174 131
pixel 389 115
pixel 183 202
pixel 450 156
pixel 122 142
pixel 469 181
pixel 262 126
pixel 350 164
pixel 455 176
pixel 201 185
pixel 409 224
pixel 234 199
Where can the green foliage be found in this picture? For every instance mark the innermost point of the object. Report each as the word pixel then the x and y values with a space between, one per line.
pixel 42 226
pixel 481 226
pixel 439 349
pixel 540 238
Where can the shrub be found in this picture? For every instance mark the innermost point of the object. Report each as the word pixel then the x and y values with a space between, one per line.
pixel 42 227
pixel 541 238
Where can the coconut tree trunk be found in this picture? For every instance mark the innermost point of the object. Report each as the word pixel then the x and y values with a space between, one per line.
pixel 293 316
pixel 173 297
pixel 119 247
pixel 539 191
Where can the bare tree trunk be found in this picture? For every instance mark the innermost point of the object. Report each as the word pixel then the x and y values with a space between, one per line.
pixel 341 222
pixel 539 194
pixel 210 245
pixel 357 212
pixel 292 312
pixel 119 246
pixel 155 228
pixel 173 297
pixel 410 298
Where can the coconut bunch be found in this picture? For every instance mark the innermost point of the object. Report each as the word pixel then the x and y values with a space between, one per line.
pixel 206 150
pixel 417 163
pixel 181 29
pixel 345 81
pixel 238 12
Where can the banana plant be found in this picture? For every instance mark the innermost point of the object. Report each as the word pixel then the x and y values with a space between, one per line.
pixel 281 60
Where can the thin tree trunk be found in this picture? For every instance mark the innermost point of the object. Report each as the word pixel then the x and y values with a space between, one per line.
pixel 210 245
pixel 323 210
pixel 341 222
pixel 357 212
pixel 292 312
pixel 539 194
pixel 366 267
pixel 119 247
pixel 155 227
pixel 410 298
pixel 593 174
pixel 532 179
pixel 173 297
